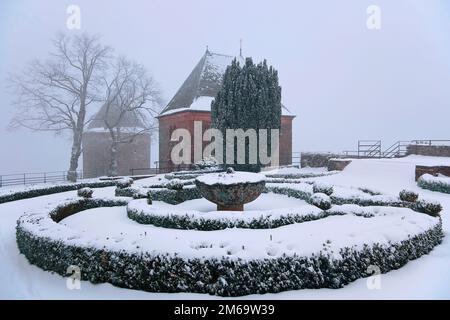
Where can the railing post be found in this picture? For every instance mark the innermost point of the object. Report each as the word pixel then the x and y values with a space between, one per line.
pixel 45 177
pixel 24 179
pixel 1 181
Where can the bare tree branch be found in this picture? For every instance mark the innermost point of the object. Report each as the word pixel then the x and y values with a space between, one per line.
pixel 53 95
pixel 130 94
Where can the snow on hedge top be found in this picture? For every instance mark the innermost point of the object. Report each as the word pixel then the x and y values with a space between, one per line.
pixel 433 179
pixel 388 225
pixel 234 177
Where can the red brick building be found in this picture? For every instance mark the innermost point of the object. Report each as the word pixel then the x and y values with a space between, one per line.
pixel 192 102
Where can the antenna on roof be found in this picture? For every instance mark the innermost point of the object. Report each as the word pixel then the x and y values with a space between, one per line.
pixel 240 48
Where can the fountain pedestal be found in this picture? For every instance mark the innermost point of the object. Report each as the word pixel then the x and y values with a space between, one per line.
pixel 237 207
pixel 231 190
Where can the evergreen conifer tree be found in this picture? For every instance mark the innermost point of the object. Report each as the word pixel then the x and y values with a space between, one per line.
pixel 250 98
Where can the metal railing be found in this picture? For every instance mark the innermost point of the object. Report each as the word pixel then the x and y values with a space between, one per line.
pixel 398 149
pixel 366 149
pixel 373 149
pixel 430 142
pixel 160 167
pixel 296 158
pixel 33 178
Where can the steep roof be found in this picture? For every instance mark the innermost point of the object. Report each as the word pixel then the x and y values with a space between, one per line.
pixel 204 81
pixel 128 120
pixel 202 85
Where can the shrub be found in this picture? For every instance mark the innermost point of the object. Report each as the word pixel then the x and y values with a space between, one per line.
pixel 323 188
pixel 149 197
pixel 191 219
pixel 370 191
pixel 439 184
pixel 431 208
pixel 85 192
pixel 175 184
pixel 409 196
pixel 161 194
pixel 301 175
pixel 124 183
pixel 223 276
pixel 135 195
pixel 300 191
pixel 206 163
pixel 320 200
pixel 37 191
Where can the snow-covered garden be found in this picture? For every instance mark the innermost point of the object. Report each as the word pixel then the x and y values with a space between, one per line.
pixel 311 234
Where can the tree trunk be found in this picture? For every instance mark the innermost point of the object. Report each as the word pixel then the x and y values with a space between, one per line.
pixel 74 156
pixel 77 139
pixel 113 166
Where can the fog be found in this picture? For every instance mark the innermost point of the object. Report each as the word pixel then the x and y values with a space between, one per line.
pixel 343 81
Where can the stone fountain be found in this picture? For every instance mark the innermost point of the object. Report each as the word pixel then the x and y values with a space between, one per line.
pixel 230 190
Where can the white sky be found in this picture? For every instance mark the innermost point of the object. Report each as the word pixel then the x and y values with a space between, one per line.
pixel 343 81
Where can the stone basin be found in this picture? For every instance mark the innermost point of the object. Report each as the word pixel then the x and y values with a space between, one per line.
pixel 232 189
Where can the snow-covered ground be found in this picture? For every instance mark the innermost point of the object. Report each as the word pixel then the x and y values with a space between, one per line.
pixel 295 170
pixel 425 278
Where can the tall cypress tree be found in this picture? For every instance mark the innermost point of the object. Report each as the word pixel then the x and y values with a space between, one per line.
pixel 250 97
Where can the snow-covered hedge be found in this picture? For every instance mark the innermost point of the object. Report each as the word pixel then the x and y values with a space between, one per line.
pixel 323 188
pixel 301 175
pixel 208 163
pixel 191 219
pixel 432 208
pixel 301 191
pixel 342 196
pixel 175 184
pixel 85 192
pixel 124 182
pixel 284 180
pixel 42 190
pixel 409 196
pixel 192 174
pixel 54 247
pixel 320 200
pixel 439 184
pixel 161 194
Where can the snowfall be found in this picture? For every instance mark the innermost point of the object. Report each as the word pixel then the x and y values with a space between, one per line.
pixel 424 278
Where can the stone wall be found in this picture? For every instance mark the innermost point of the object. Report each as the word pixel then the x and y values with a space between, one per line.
pixel 337 164
pixel 286 141
pixel 130 155
pixel 424 150
pixel 316 159
pixel 433 170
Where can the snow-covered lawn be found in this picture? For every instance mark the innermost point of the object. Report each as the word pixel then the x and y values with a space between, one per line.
pixel 425 278
pixel 295 170
pixel 394 224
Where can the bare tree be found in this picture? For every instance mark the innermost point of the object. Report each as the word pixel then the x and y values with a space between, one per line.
pixel 132 100
pixel 54 95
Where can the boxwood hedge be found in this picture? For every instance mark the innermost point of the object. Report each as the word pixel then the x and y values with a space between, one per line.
pixel 220 276
pixel 439 184
pixel 46 190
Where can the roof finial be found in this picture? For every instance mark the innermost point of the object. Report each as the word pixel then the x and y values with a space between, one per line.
pixel 240 48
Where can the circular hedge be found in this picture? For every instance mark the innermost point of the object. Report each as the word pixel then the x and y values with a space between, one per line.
pixel 147 266
pixel 54 247
pixel 139 211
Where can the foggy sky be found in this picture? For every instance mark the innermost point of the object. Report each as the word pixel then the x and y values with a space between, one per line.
pixel 343 81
